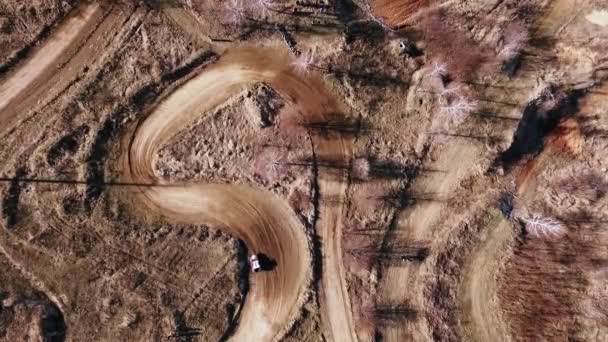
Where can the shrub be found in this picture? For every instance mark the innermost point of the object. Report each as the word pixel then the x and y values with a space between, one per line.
pixel 263 5
pixel 388 315
pixel 587 185
pixel 515 37
pixel 356 245
pixel 234 12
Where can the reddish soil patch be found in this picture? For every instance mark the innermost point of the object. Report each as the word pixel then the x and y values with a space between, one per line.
pixel 566 137
pixel 396 13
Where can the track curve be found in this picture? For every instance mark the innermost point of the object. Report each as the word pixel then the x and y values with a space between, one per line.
pixel 262 220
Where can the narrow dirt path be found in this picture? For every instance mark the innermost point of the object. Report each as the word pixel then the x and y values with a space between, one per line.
pixel 481 314
pixel 402 284
pixel 478 297
pixel 262 220
pixel 335 298
pixel 32 278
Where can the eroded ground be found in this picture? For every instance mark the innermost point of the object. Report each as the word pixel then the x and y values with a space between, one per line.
pixel 408 170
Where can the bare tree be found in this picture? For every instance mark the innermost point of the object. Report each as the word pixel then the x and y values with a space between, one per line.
pixel 360 168
pixel 542 226
pixel 439 70
pixel 459 109
pixel 449 93
pixel 264 5
pixel 587 185
pixel 303 62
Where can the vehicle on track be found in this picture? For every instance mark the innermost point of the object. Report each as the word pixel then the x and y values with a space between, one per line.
pixel 254 263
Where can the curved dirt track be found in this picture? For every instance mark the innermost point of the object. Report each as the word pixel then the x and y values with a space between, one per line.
pixel 481 309
pixel 264 222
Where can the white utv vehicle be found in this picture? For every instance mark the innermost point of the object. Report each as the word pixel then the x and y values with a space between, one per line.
pixel 254 263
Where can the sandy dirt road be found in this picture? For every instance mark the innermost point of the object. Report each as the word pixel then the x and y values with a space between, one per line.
pixel 266 223
pixel 79 42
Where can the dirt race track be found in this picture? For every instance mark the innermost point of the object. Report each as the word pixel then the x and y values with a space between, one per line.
pixel 264 223
pixel 399 177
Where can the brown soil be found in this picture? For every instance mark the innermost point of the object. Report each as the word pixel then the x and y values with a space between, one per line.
pixel 397 13
pixel 150 147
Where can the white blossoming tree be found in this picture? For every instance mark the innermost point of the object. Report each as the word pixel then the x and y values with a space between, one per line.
pixel 543 226
pixel 439 70
pixel 458 109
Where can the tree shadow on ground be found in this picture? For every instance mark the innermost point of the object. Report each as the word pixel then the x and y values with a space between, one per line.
pixel 10 202
pixel 267 263
pixel 537 122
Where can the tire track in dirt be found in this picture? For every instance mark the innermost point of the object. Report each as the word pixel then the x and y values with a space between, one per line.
pixel 263 221
pixel 21 54
pixel 49 54
pixel 335 299
pixel 49 72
